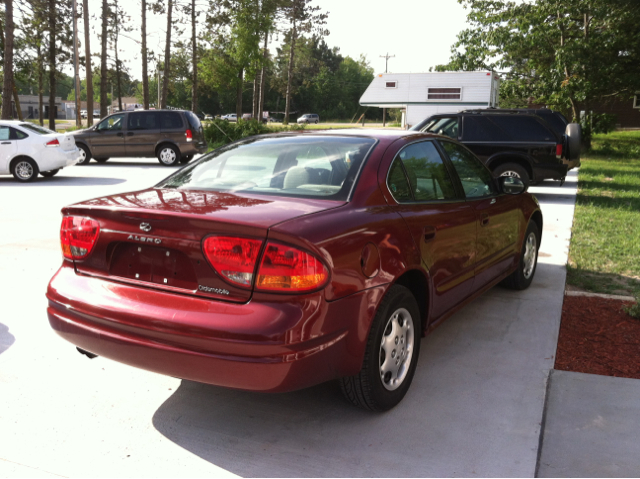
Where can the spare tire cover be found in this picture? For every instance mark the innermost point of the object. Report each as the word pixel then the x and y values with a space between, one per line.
pixel 573 134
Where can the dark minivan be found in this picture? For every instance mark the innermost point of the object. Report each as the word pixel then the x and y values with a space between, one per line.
pixel 172 136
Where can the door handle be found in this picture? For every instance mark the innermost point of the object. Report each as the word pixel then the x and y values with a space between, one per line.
pixel 130 133
pixel 429 233
pixel 6 142
pixel 493 201
pixel 120 134
pixel 484 219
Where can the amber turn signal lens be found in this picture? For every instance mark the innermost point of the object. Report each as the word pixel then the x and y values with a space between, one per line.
pixel 288 269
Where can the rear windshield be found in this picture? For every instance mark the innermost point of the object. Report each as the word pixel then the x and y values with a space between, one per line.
pixel 299 166
pixel 194 121
pixel 36 129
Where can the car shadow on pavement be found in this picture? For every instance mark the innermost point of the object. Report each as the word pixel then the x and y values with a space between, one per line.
pixel 268 435
pixel 63 181
pixel 6 338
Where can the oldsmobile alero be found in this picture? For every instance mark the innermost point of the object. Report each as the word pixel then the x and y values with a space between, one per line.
pixel 283 261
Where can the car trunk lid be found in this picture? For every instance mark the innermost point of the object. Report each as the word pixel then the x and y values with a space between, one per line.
pixel 153 237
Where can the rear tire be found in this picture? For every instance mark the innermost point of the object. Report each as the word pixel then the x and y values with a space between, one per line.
pixel 85 154
pixel 513 170
pixel 522 277
pixel 24 169
pixel 49 174
pixel 391 354
pixel 168 155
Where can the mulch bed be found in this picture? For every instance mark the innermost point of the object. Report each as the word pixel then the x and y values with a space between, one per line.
pixel 598 337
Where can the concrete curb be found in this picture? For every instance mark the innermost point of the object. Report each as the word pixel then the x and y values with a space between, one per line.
pixel 599 295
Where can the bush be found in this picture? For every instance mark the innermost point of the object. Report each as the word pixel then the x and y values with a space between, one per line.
pixel 633 310
pixel 220 132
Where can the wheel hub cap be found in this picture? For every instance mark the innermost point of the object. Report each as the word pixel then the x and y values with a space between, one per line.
pixel 168 156
pixel 396 349
pixel 529 258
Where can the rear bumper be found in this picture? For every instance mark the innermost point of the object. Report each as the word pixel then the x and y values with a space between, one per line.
pixel 284 344
pixel 193 148
pixel 54 158
pixel 552 171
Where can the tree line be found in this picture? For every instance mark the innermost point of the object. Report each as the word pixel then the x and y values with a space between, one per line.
pixel 216 58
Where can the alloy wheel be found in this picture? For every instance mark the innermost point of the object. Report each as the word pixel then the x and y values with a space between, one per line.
pixel 24 170
pixel 396 349
pixel 529 257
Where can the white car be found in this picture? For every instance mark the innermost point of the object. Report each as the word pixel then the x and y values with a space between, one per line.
pixel 229 117
pixel 27 149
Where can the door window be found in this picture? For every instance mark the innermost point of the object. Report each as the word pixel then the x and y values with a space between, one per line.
pixel 113 123
pixel 143 121
pixel 444 126
pixel 426 172
pixel 5 132
pixel 477 181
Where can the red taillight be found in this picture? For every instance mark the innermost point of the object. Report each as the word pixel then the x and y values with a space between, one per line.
pixel 559 150
pixel 53 143
pixel 233 258
pixel 189 135
pixel 285 268
pixel 78 236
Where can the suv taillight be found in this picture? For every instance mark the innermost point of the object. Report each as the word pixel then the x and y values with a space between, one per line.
pixel 189 135
pixel 78 235
pixel 233 258
pixel 288 269
pixel 283 268
pixel 559 150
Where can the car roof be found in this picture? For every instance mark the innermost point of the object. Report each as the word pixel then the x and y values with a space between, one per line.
pixel 360 132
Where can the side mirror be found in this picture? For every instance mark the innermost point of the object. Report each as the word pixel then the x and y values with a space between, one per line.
pixel 511 186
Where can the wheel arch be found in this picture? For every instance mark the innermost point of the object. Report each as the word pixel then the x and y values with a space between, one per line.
pixel 536 217
pixel 416 282
pixel 18 158
pixel 164 142
pixel 501 159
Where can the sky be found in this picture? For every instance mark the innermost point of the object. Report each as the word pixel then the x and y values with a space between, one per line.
pixel 418 32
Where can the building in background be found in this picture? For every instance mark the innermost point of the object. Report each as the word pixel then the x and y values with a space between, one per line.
pixel 421 95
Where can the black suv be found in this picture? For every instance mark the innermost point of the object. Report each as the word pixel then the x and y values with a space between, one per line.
pixel 532 145
pixel 172 136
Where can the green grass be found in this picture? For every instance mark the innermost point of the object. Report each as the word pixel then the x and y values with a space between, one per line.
pixel 604 256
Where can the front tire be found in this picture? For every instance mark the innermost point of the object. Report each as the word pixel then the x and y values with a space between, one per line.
pixel 513 170
pixel 391 354
pixel 24 170
pixel 522 277
pixel 168 155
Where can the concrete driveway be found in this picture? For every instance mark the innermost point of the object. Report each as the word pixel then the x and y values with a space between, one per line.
pixel 475 406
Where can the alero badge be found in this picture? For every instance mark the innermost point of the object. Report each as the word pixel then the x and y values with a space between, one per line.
pixel 146 227
pixel 144 239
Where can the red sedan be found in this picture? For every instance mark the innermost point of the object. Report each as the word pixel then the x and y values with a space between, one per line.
pixel 283 261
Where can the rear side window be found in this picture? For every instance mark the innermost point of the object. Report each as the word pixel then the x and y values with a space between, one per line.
pixel 17 134
pixel 193 120
pixel 398 184
pixel 481 128
pixel 36 129
pixel 428 177
pixel 170 120
pixel 143 121
pixel 523 128
pixel 477 181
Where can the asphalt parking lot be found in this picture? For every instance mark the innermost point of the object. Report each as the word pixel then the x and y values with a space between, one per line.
pixel 475 407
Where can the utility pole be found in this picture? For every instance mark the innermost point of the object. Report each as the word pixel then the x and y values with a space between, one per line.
pixel 76 77
pixel 386 68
